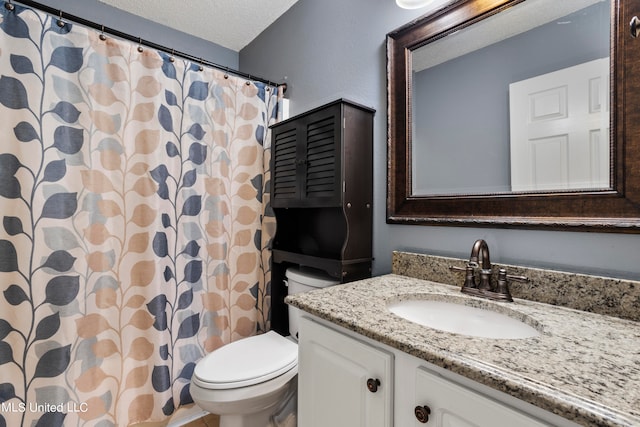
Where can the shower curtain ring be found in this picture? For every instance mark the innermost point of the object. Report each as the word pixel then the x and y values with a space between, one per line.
pixel 268 88
pixel 248 82
pixel 226 74
pixel 9 6
pixel 140 49
pixel 102 36
pixel 60 21
pixel 172 57
pixel 200 67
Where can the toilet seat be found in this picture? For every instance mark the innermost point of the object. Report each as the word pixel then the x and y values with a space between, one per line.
pixel 247 362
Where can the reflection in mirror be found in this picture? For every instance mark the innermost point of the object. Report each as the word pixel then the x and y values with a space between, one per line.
pixel 517 102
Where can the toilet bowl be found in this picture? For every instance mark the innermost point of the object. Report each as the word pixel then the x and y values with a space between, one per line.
pixel 253 382
pixel 247 379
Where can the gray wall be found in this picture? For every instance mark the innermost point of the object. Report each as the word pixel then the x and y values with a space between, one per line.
pixel 120 20
pixel 328 49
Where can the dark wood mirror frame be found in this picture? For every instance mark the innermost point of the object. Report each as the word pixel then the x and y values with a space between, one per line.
pixel 614 210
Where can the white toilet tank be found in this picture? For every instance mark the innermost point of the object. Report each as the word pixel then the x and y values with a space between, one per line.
pixel 303 279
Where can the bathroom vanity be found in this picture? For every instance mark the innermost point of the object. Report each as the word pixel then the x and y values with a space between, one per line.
pixel 374 368
pixel 366 383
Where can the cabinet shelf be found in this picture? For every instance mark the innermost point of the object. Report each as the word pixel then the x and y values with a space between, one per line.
pixel 334 267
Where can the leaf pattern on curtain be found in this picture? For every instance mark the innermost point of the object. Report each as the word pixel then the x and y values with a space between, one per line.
pixel 135 223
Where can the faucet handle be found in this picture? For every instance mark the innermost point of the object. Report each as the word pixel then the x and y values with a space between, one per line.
pixel 503 283
pixel 469 279
pixel 502 288
pixel 522 279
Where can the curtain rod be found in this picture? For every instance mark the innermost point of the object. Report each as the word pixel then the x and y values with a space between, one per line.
pixel 66 16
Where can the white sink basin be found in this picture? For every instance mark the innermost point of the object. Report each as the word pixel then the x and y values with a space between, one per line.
pixel 462 319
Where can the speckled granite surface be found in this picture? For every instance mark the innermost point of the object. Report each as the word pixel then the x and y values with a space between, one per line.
pixel 583 366
pixel 602 295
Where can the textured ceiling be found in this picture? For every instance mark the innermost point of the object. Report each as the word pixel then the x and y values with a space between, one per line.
pixel 229 23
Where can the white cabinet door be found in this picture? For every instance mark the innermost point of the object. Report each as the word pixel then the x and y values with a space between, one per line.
pixel 452 405
pixel 333 372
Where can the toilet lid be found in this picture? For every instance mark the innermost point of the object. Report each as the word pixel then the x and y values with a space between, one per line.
pixel 247 362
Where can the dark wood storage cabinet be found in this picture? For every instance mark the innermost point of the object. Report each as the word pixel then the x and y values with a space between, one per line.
pixel 322 195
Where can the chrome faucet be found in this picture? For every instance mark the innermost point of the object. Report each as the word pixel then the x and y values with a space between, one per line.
pixel 480 261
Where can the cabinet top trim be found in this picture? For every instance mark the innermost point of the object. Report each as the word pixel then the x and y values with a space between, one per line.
pixel 322 107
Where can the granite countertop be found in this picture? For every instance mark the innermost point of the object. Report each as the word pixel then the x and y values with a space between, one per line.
pixel 583 366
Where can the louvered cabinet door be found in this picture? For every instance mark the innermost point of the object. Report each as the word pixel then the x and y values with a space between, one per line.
pixel 306 161
pixel 321 186
pixel 285 164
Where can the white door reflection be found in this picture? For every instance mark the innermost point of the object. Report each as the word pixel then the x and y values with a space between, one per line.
pixel 559 125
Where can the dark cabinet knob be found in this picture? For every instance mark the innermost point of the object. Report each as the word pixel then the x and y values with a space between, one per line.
pixel 634 27
pixel 373 384
pixel 422 413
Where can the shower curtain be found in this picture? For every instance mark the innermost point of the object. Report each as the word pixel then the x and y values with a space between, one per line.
pixel 135 222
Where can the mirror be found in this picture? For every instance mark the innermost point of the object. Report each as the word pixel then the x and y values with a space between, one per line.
pixel 513 112
pixel 534 118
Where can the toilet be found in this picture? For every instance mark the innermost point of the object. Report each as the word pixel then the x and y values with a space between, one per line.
pixel 253 382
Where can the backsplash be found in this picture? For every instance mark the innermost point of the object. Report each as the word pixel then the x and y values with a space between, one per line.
pixel 602 295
